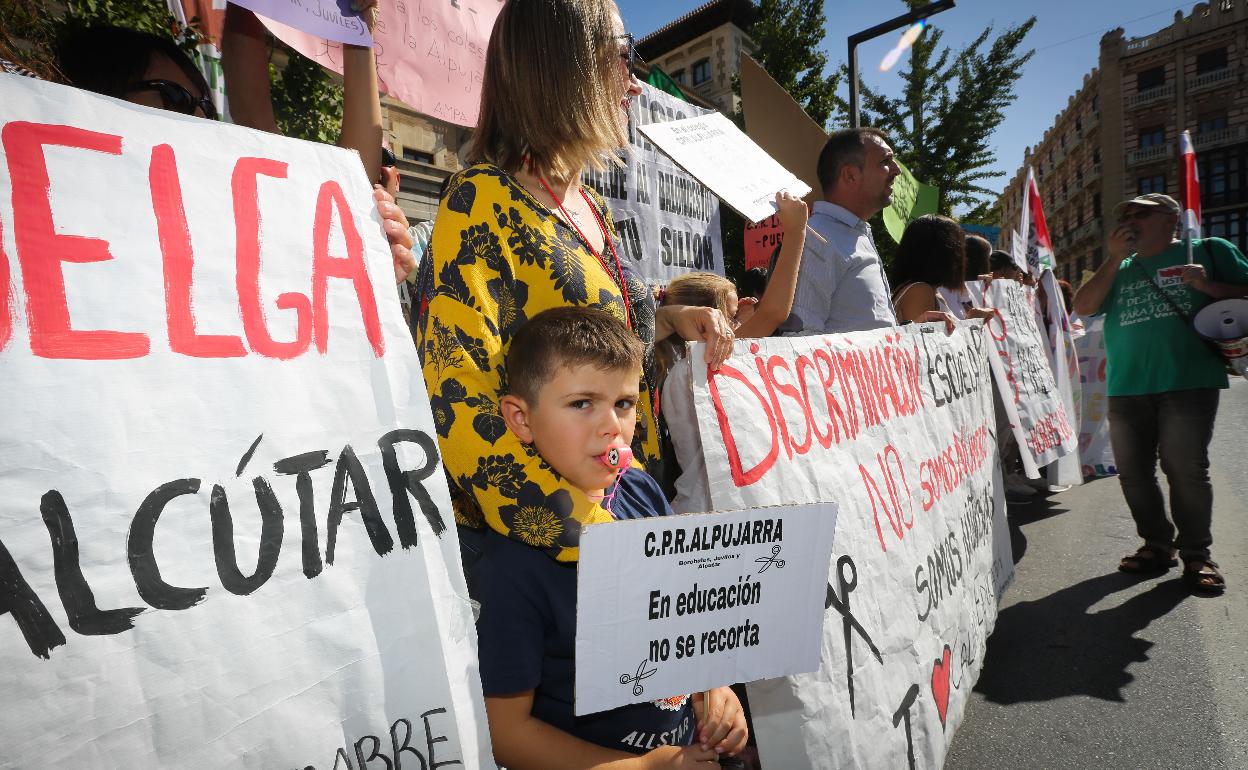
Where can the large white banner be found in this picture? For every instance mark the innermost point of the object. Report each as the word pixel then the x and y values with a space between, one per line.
pixel 1034 404
pixel 1064 363
pixel 897 427
pixel 688 603
pixel 225 537
pixel 667 221
pixel 1094 449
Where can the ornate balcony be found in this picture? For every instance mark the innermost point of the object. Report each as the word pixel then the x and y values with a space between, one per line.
pixel 1215 79
pixel 1232 135
pixel 1150 154
pixel 1152 95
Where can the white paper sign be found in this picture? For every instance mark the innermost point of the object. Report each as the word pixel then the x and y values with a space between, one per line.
pixel 688 603
pixel 667 221
pixel 1095 453
pixel 1033 402
pixel 226 540
pixel 897 426
pixel 722 157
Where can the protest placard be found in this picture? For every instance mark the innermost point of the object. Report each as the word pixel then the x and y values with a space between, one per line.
pixel 429 55
pixel 896 426
pixel 911 200
pixel 1034 405
pixel 1064 363
pixel 711 148
pixel 1095 453
pixel 329 19
pixel 667 221
pixel 688 603
pixel 762 242
pixel 226 539
pixel 780 126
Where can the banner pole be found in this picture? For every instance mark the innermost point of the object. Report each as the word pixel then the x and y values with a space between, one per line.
pixel 1187 238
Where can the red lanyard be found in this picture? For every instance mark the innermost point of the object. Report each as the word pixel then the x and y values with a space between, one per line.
pixel 606 239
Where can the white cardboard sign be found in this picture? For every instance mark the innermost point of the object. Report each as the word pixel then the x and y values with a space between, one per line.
pixel 671 605
pixel 722 157
pixel 226 538
pixel 897 426
pixel 1034 405
pixel 668 221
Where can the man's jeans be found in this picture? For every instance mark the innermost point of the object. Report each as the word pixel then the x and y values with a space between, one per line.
pixel 1178 426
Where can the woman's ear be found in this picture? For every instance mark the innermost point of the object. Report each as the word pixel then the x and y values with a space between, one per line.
pixel 515 413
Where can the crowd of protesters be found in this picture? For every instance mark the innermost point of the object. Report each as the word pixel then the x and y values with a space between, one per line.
pixel 547 358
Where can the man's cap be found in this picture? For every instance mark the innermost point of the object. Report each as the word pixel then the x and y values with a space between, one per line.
pixel 999 260
pixel 1150 200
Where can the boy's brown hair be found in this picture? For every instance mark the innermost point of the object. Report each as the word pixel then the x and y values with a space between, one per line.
pixel 567 337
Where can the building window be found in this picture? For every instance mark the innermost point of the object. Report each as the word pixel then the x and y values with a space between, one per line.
pixel 1222 174
pixel 1096 103
pixel 679 76
pixel 1096 205
pixel 1231 225
pixel 1151 137
pixel 417 155
pixel 1151 184
pixel 1211 123
pixel 1096 156
pixel 1150 78
pixel 701 71
pixel 1211 61
pixel 1079 125
pixel 1063 140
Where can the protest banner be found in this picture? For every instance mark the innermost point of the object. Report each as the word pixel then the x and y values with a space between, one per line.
pixel 897 427
pixel 713 150
pixel 1095 453
pixel 780 126
pixel 1033 403
pixel 430 56
pixel 1064 363
pixel 225 538
pixel 667 221
pixel 762 242
pixel 911 200
pixel 329 19
pixel 688 603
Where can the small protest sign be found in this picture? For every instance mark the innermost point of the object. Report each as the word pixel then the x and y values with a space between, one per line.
pixel 667 221
pixel 780 126
pixel 1096 456
pixel 1034 404
pixel 1064 363
pixel 226 538
pixel 671 605
pixel 329 19
pixel 712 149
pixel 911 200
pixel 430 56
pixel 897 427
pixel 762 242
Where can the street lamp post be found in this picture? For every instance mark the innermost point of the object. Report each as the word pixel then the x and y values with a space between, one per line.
pixel 904 20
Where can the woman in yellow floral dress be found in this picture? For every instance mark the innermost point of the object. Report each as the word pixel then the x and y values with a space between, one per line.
pixel 517 233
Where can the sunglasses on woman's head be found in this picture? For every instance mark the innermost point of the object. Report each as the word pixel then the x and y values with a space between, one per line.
pixel 176 98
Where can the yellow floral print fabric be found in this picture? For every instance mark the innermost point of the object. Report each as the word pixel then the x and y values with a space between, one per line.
pixel 500 257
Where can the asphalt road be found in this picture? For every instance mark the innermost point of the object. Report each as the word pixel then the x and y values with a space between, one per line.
pixel 1091 668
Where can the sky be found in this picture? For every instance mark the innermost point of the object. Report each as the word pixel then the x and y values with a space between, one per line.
pixel 1066 39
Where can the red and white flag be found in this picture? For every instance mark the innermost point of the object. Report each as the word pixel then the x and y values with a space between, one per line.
pixel 1034 230
pixel 1189 187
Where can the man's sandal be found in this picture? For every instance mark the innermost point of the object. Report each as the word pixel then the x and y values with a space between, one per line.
pixel 1202 575
pixel 1147 560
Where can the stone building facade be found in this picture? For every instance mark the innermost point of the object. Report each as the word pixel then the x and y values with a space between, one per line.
pixel 702 50
pixel 1118 135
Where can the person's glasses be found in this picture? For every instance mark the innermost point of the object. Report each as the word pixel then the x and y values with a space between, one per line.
pixel 176 98
pixel 629 54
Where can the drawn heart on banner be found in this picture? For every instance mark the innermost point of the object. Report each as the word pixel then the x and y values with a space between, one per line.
pixel 940 685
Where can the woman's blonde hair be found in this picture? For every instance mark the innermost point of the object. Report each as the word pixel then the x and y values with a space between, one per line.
pixel 547 95
pixel 701 290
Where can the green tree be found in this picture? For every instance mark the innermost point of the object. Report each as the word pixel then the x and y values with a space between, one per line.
pixel 788 34
pixel 950 105
pixel 307 102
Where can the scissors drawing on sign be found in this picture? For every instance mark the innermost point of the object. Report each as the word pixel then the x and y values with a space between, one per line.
pixel 767 561
pixel 635 679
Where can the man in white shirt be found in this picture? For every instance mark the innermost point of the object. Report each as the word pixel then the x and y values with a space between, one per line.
pixel 841 286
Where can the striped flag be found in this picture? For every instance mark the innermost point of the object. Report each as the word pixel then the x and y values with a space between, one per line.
pixel 1189 187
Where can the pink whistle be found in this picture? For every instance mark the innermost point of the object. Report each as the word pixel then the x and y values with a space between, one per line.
pixel 617 457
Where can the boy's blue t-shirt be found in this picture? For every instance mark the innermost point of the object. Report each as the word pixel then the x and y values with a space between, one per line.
pixel 527 636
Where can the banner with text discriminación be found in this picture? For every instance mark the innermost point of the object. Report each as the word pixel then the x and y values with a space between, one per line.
pixel 896 426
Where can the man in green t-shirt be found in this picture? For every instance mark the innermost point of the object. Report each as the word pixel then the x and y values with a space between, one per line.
pixel 1163 381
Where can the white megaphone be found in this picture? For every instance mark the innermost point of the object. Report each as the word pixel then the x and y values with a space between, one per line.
pixel 1226 324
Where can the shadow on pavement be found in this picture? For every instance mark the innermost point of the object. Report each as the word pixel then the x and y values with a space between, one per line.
pixel 1054 647
pixel 1020 514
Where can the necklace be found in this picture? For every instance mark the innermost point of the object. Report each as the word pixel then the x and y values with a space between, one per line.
pixel 606 240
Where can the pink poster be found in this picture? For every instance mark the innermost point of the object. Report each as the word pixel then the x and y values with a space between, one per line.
pixel 430 53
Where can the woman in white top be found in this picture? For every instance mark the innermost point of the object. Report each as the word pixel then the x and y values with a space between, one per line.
pixel 750 319
pixel 931 256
